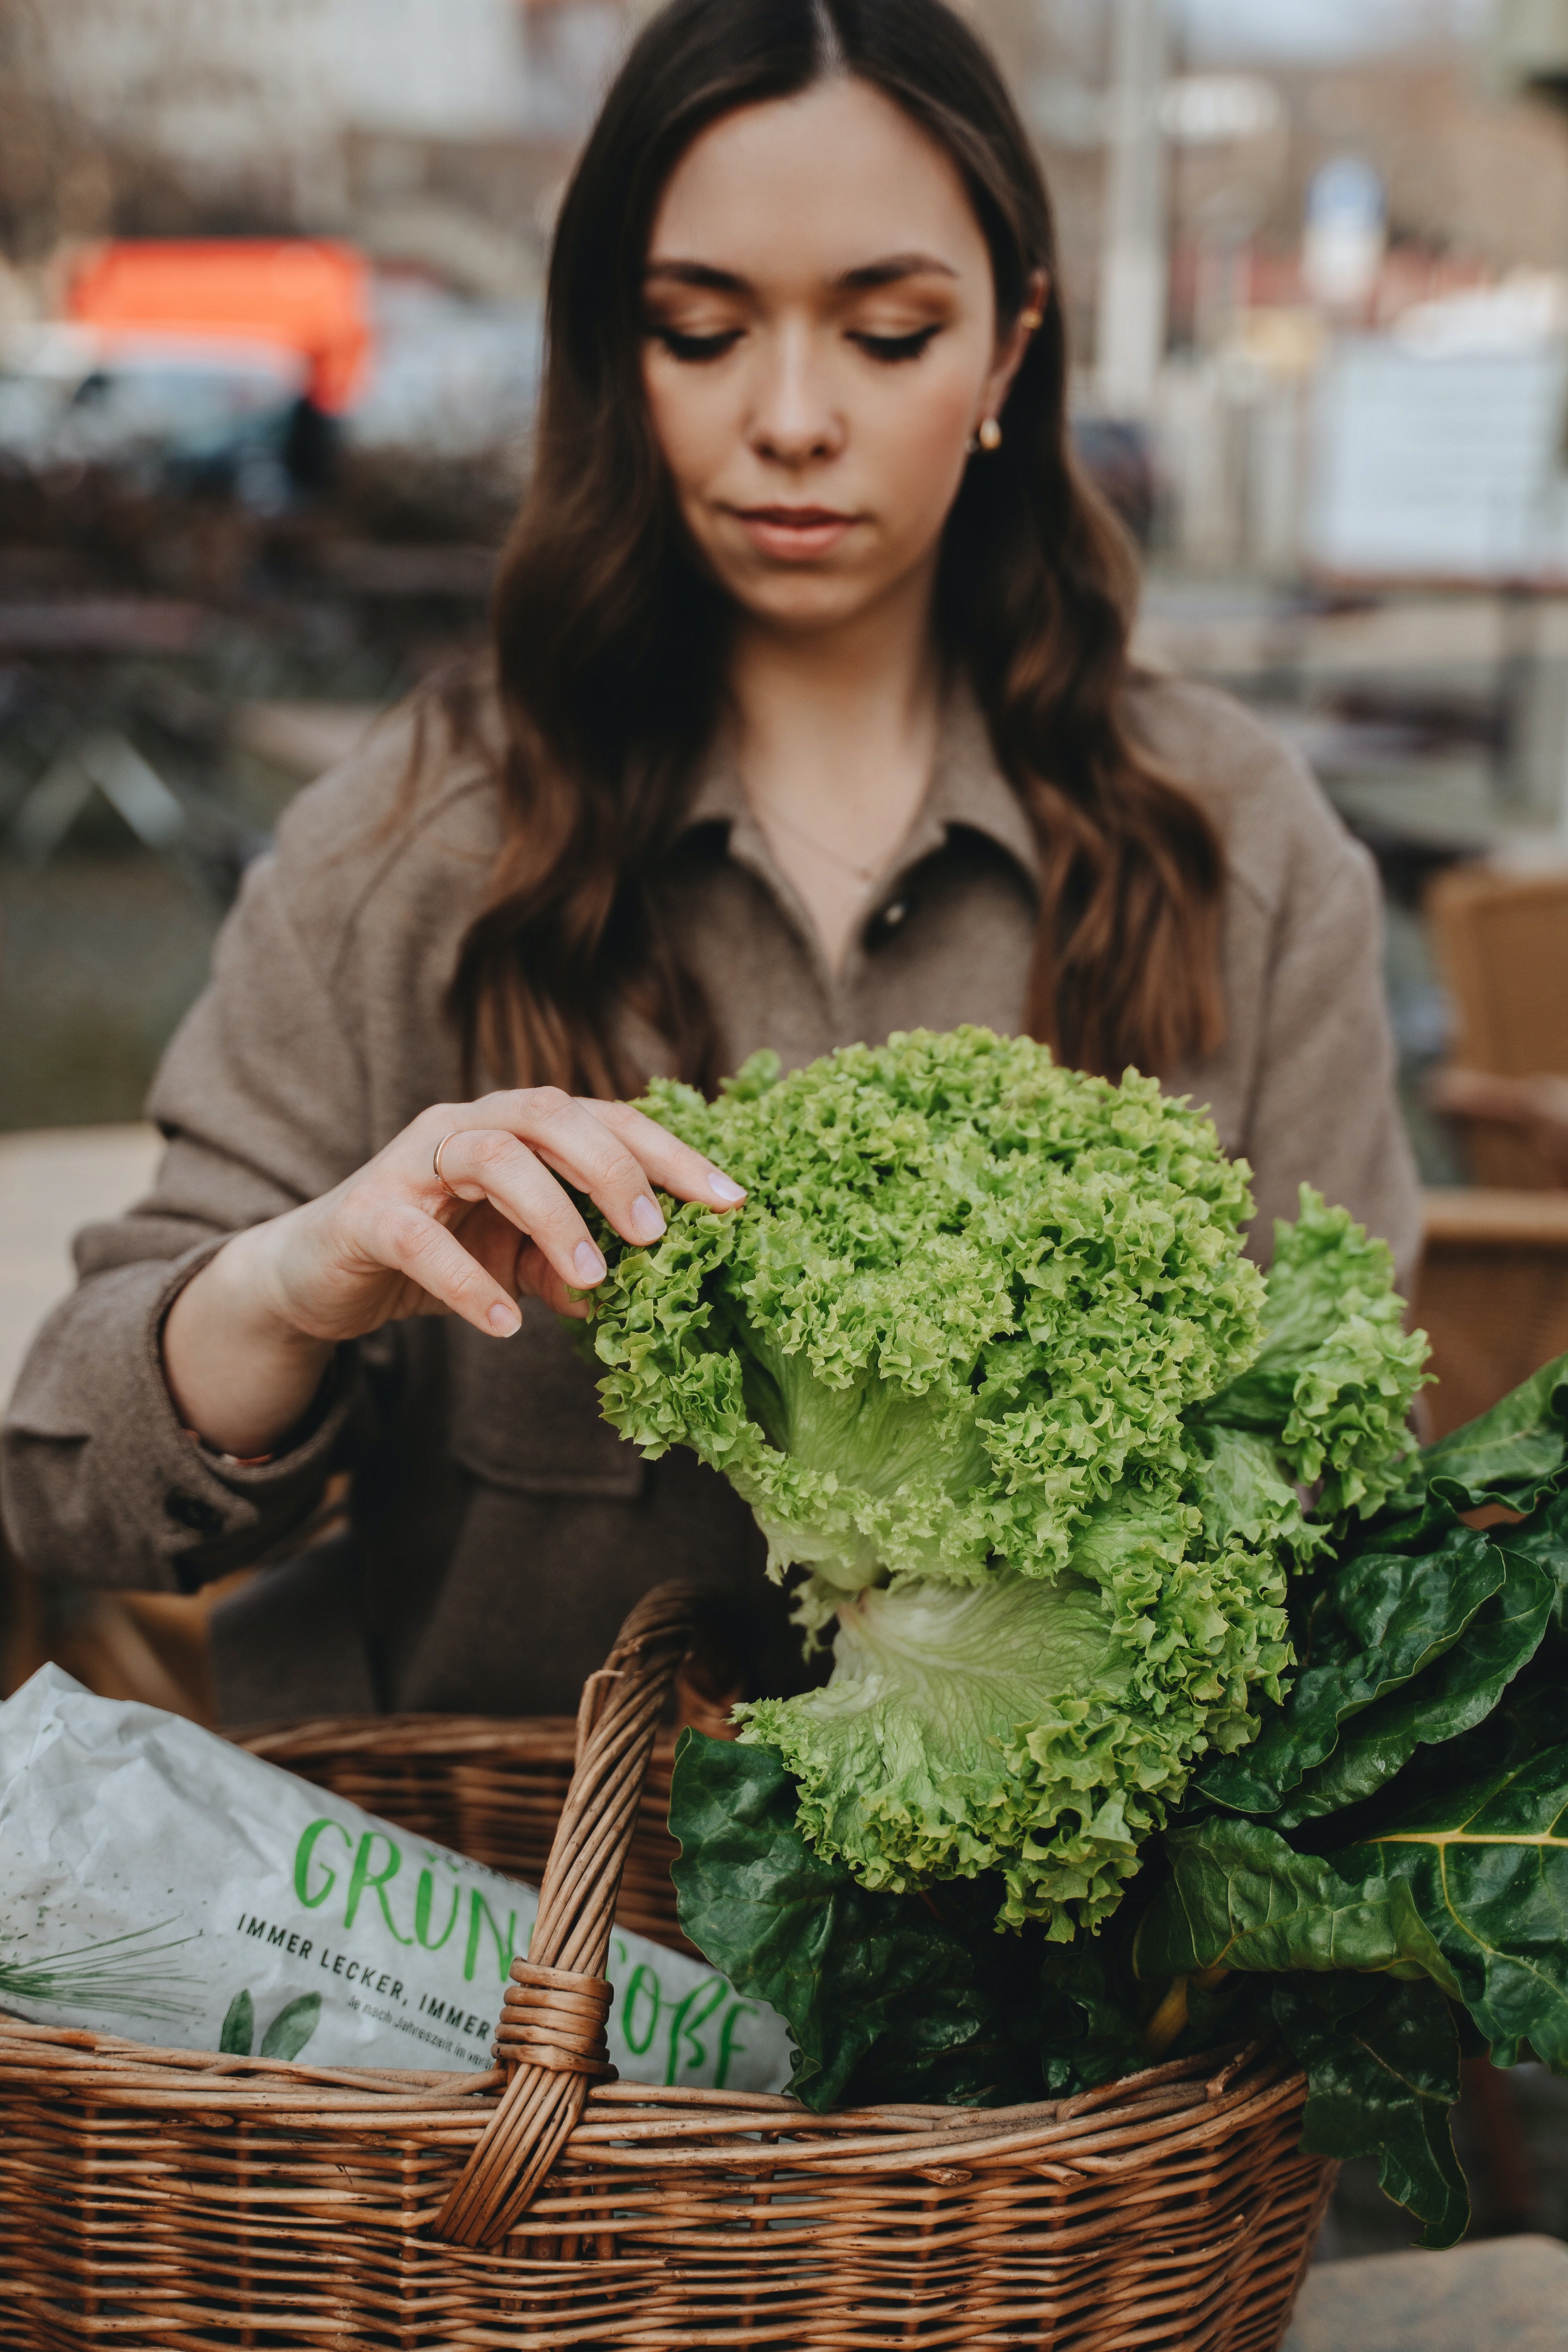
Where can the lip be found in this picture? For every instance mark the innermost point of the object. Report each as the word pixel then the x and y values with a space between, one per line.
pixel 795 534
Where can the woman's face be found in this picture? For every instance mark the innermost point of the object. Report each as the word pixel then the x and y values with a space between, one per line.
pixel 821 344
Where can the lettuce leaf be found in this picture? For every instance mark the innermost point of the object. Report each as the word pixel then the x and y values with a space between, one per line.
pixel 982 1730
pixel 1332 1385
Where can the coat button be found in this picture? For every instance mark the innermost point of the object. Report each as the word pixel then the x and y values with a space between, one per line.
pixel 202 1519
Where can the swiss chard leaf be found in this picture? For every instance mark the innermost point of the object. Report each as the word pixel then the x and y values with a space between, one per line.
pixel 1456 1692
pixel 1087 2012
pixel 882 1996
pixel 1382 2062
pixel 1543 1537
pixel 1400 1599
pixel 1486 1862
pixel 1237 1896
pixel 1515 1455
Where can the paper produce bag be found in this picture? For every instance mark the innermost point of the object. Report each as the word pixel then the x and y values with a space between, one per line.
pixel 159 1883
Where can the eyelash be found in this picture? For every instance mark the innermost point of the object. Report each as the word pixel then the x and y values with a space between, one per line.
pixel 892 350
pixel 696 348
pixel 697 351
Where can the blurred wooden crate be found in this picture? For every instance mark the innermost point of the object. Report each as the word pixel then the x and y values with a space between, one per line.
pixel 1502 942
pixel 1492 1294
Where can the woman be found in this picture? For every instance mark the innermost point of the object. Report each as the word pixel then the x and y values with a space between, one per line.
pixel 811 718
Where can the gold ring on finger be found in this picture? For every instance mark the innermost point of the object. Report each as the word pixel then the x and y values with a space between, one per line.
pixel 441 1147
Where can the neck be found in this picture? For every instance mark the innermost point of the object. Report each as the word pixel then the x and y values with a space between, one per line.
pixel 838 711
pixel 836 736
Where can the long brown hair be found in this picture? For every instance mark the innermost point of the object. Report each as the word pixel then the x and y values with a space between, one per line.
pixel 610 642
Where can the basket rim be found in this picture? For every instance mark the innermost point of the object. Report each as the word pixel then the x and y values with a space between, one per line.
pixel 417 1734
pixel 638 2126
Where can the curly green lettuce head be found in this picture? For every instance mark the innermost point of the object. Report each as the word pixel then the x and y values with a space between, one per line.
pixel 1331 1389
pixel 968 1289
pixel 957 1350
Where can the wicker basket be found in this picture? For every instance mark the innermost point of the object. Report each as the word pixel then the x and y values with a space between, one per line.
pixel 179 2200
pixel 490 1788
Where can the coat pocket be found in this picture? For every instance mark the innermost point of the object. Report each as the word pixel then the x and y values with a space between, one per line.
pixel 525 1414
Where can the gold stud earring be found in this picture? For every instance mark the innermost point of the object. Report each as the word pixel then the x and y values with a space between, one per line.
pixel 990 434
pixel 1031 319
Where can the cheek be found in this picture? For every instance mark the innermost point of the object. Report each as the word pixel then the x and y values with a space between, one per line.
pixel 916 437
pixel 689 410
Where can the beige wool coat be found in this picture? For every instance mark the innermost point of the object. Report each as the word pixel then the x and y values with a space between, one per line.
pixel 498 1528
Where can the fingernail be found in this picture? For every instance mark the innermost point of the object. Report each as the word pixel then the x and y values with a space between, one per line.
pixel 645 1220
pixel 723 1188
pixel 590 1265
pixel 504 1320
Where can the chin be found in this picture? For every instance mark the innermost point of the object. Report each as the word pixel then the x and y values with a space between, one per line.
pixel 804 601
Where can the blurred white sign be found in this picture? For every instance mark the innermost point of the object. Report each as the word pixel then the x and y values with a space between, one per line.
pixel 1214 110
pixel 1441 465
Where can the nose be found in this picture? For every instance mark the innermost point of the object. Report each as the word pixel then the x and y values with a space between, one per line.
pixel 793 417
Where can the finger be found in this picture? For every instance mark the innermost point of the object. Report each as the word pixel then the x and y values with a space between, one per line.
pixel 492 1238
pixel 671 1164
pixel 489 1164
pixel 569 1136
pixel 537 1278
pixel 421 1247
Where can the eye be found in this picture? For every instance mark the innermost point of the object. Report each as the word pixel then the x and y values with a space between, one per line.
pixel 696 348
pixel 892 348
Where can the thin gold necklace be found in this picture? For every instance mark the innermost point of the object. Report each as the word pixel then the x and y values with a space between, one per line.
pixel 865 875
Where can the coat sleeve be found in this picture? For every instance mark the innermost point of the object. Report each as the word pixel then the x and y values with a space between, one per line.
pixel 1325 1110
pixel 1303 1085
pixel 262 1100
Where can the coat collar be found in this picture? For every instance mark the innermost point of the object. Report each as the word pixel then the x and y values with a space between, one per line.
pixel 967 793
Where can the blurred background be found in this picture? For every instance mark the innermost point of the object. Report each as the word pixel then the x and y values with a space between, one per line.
pixel 271 278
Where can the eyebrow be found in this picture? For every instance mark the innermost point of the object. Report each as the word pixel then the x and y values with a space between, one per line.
pixel 870 274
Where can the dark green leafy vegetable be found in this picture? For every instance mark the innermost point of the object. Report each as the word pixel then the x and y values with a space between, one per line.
pixel 1237 1896
pixel 1458 1690
pixel 1394 1604
pixel 1090 2011
pixel 881 1997
pixel 1488 1864
pixel 1382 2062
pixel 1515 1455
pixel 885 1996
pixel 1543 1537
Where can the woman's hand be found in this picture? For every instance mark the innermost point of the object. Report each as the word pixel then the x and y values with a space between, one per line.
pixel 248 1339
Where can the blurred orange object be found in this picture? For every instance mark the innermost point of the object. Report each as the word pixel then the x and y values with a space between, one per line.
pixel 304 294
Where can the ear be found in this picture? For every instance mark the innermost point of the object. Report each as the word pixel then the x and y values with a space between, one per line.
pixel 1010 350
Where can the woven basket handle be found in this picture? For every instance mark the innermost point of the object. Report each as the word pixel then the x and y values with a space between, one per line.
pixel 558 2002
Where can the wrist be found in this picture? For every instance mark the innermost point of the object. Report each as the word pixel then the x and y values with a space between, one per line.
pixel 240 1373
pixel 245 1283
